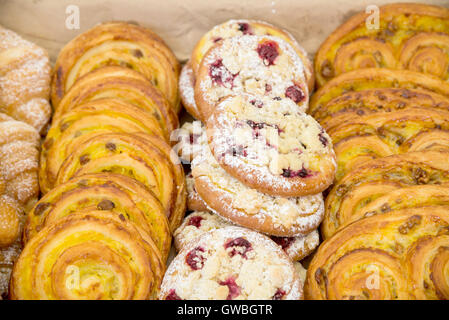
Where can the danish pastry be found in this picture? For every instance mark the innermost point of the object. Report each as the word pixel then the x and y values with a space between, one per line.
pixel 113 192
pixel 408 36
pixel 379 177
pixel 88 255
pixel 117 44
pixel 190 139
pixel 398 255
pixel 258 65
pixel 187 91
pixel 231 263
pixel 24 80
pixel 194 201
pixel 124 84
pixel 247 207
pixel 271 146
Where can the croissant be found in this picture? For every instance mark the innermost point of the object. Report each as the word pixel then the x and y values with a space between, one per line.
pixel 124 84
pixel 409 36
pixel 24 80
pixel 113 192
pixel 397 255
pixel 378 177
pixel 88 255
pixel 117 44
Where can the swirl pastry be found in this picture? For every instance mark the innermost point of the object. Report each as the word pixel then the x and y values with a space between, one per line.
pixel 112 192
pixel 117 44
pixel 409 36
pixel 24 80
pixel 257 65
pixel 231 263
pixel 398 255
pixel 88 255
pixel 84 121
pixel 271 146
pixel 123 84
pixel 358 81
pixel 379 177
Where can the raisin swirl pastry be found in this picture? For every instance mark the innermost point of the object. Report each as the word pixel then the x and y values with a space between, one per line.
pixel 84 121
pixel 410 261
pixel 104 191
pixel 199 222
pixel 123 84
pixel 247 207
pixel 117 44
pixel 357 81
pixel 24 80
pixel 258 65
pixel 88 255
pixel 378 177
pixel 358 139
pixel 231 263
pixel 241 27
pixel 271 146
pixel 410 36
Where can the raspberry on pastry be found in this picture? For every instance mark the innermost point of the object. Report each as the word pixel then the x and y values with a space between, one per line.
pixel 258 65
pixel 271 146
pixel 231 263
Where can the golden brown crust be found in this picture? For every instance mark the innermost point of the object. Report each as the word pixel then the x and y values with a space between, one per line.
pixel 186 90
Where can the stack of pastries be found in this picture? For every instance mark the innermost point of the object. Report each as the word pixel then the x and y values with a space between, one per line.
pixel 259 165
pixel 112 192
pixel 383 98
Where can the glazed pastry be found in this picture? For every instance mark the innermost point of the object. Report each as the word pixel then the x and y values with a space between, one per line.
pixel 271 146
pixel 104 191
pixel 24 80
pixel 194 201
pixel 358 139
pixel 399 255
pixel 231 199
pixel 124 84
pixel 85 121
pixel 236 28
pixel 88 255
pixel 199 222
pixel 258 65
pixel 409 36
pixel 117 44
pixel 379 177
pixel 373 78
pixel 231 263
pixel 186 90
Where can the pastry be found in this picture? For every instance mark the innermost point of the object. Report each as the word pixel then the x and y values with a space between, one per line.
pixel 231 199
pixel 124 84
pixel 240 27
pixel 186 90
pixel 88 255
pixel 409 36
pixel 258 65
pixel 117 44
pixel 194 201
pixel 271 146
pixel 378 177
pixel 24 80
pixel 199 222
pixel 85 121
pixel 399 255
pixel 104 191
pixel 231 263
pixel 189 140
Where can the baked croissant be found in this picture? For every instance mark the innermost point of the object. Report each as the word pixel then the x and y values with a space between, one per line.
pixel 409 36
pixel 398 255
pixel 24 80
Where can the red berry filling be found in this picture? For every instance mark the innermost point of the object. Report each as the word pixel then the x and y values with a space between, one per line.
pixel 220 74
pixel 195 258
pixel 239 246
pixel 268 52
pixel 245 28
pixel 256 103
pixel 268 88
pixel 295 93
pixel 172 295
pixel 284 242
pixel 288 173
pixel 234 289
pixel 323 139
pixel 195 221
pixel 279 294
pixel 217 39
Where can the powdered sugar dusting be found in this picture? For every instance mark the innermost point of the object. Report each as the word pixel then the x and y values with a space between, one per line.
pixel 186 90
